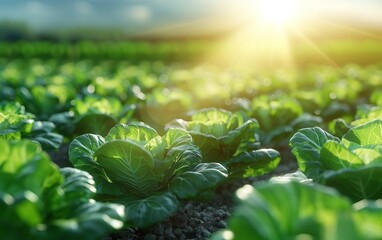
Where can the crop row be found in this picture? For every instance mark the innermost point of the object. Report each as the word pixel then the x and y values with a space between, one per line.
pixel 143 138
pixel 133 50
pixel 341 51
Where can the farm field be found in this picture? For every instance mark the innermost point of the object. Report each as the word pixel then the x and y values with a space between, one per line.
pixel 145 120
pixel 171 142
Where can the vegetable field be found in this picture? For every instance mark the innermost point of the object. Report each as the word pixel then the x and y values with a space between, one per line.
pixel 118 149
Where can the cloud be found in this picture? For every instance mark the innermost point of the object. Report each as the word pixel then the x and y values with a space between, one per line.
pixel 34 7
pixel 83 8
pixel 138 13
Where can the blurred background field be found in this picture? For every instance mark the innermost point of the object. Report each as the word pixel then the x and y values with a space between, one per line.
pixel 249 33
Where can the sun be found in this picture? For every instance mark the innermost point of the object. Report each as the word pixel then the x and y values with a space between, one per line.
pixel 264 38
pixel 276 12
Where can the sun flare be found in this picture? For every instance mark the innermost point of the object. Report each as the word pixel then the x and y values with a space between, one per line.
pixel 277 12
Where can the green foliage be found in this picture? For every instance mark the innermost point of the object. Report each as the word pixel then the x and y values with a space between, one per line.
pixel 136 166
pixel 39 201
pixel 231 139
pixel 163 106
pixel 272 111
pixel 365 113
pixel 279 116
pixel 299 211
pixel 352 164
pixel 149 170
pixel 376 97
pixel 93 114
pixel 16 123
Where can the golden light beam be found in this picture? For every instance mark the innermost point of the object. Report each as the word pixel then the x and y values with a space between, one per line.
pixel 310 42
pixel 353 29
pixel 256 45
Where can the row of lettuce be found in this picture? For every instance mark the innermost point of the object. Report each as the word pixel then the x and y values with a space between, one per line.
pixel 335 194
pixel 136 176
pixel 143 141
pixel 91 97
pixel 117 50
pixel 142 176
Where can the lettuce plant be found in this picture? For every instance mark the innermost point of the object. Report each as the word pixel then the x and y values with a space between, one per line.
pixel 295 210
pixel 279 116
pixel 272 111
pixel 365 113
pixel 93 114
pixel 39 201
pixel 353 164
pixel 44 99
pixel 146 172
pixel 164 105
pixel 16 123
pixel 231 139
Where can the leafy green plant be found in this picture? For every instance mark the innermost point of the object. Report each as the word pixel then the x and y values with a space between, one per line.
pixel 279 117
pixel 231 139
pixel 40 100
pixel 376 97
pixel 272 111
pixel 39 201
pixel 164 105
pixel 365 113
pixel 16 123
pixel 93 114
pixel 352 165
pixel 146 172
pixel 300 211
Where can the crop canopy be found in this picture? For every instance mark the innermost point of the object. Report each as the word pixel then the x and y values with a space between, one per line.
pixel 147 172
pixel 40 201
pixel 353 164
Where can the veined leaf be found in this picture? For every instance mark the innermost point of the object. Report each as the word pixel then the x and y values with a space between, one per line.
pixel 335 156
pixel 129 164
pixel 366 134
pixel 289 211
pixel 203 176
pixel 357 183
pixel 81 155
pixel 157 147
pixel 181 149
pixel 177 137
pixel 253 163
pixel 369 155
pixel 88 221
pixel 137 132
pixel 144 212
pixel 306 145
pixel 78 185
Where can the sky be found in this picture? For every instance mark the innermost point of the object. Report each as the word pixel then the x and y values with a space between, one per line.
pixel 175 16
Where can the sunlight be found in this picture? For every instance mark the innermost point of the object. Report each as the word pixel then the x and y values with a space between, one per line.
pixel 275 33
pixel 263 38
pixel 277 11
